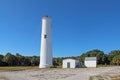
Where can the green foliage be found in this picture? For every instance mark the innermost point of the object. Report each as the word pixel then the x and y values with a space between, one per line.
pixel 10 59
pixel 34 60
pixel 112 54
pixel 102 59
pixel 1 60
pixel 95 53
pixel 1 57
pixel 116 60
pixel 20 59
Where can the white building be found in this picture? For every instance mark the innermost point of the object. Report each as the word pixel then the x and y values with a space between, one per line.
pixel 71 63
pixel 46 43
pixel 90 62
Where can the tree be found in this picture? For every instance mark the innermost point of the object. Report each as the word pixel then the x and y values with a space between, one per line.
pixel 1 57
pixel 27 61
pixel 10 59
pixel 94 53
pixel 105 59
pixel 20 59
pixel 35 61
pixel 112 54
pixel 116 60
pixel 1 60
pixel 54 64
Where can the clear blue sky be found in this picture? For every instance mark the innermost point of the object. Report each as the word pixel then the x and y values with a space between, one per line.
pixel 78 26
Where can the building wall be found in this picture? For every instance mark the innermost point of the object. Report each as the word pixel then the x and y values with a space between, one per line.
pixel 90 63
pixel 72 63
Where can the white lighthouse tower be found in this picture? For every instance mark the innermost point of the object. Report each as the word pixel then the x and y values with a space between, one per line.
pixel 46 43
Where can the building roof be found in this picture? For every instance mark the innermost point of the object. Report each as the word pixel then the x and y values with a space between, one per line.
pixel 68 59
pixel 90 58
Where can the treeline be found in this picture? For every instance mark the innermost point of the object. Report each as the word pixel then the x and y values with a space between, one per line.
pixel 18 60
pixel 112 58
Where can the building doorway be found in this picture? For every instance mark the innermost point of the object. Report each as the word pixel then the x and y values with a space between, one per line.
pixel 68 64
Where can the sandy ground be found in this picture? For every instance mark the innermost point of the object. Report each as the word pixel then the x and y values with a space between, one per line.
pixel 58 74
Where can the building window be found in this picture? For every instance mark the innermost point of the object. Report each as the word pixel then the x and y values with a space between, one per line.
pixel 45 36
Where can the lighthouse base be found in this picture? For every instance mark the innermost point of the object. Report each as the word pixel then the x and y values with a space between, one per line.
pixel 44 66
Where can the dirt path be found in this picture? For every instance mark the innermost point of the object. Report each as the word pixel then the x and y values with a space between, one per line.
pixel 58 74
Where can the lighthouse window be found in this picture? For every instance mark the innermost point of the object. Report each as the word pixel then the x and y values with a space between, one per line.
pixel 45 36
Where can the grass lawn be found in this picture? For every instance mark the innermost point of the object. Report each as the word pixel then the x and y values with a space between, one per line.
pixel 3 78
pixel 17 68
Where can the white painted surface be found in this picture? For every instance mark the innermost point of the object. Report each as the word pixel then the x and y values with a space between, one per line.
pixel 46 43
pixel 90 62
pixel 73 63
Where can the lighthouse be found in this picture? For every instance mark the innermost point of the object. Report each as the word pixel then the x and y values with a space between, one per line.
pixel 46 43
